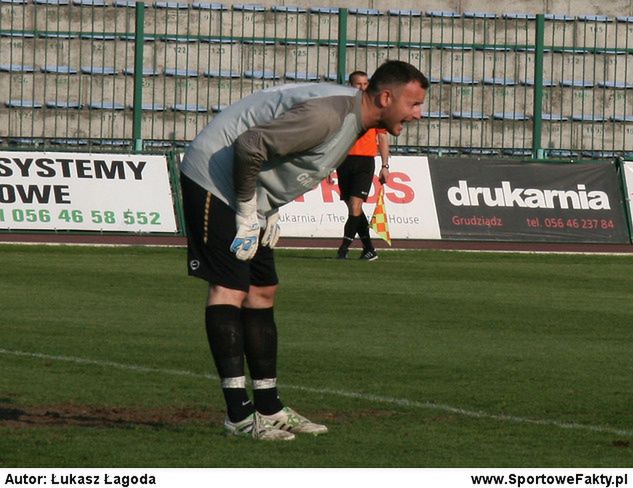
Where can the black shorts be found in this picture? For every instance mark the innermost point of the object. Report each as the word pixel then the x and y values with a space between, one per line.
pixel 211 229
pixel 355 176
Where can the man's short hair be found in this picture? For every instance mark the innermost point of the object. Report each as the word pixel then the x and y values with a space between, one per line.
pixel 354 74
pixel 393 72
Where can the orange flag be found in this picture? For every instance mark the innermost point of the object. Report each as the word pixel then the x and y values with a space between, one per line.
pixel 379 222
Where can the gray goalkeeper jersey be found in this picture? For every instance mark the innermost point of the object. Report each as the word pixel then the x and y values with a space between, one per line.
pixel 280 143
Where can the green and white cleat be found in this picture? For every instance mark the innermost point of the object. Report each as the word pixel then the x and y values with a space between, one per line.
pixel 288 420
pixel 257 428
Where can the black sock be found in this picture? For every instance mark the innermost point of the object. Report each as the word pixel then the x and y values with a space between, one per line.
pixel 349 231
pixel 260 334
pixel 363 233
pixel 225 334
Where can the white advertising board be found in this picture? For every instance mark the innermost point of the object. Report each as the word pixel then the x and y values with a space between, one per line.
pixel 628 179
pixel 409 204
pixel 85 192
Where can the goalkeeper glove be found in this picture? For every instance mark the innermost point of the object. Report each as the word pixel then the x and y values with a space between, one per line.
pixel 245 243
pixel 271 234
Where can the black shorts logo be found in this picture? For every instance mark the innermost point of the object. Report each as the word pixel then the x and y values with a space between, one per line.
pixel 194 264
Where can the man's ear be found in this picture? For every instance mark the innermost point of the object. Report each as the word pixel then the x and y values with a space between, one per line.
pixel 385 98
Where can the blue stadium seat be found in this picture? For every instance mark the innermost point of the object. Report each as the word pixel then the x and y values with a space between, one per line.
pixel 158 144
pixel 187 73
pixel 404 13
pixel 146 71
pixel 20 103
pixel 440 13
pixel 479 15
pixel 560 17
pixel 517 152
pixel 112 142
pixel 600 154
pixel 218 108
pixel 222 73
pixel 172 5
pixel 622 118
pixel 459 114
pixel 296 42
pixel 451 47
pixel 26 141
pixel 517 116
pixel 188 107
pixel 51 2
pixel 124 3
pixel 98 70
pixel 14 2
pixel 561 153
pixel 576 83
pixel 151 107
pixel 209 6
pixel 480 151
pixel 16 68
pixel 70 142
pixel 249 7
pixel 571 50
pixel 519 16
pixel 364 11
pixel 24 35
pixel 627 19
pixel 98 37
pixel 261 75
pixel 301 76
pixel 324 10
pixel 182 39
pixel 56 35
pixel 90 3
pixel 615 84
pixel 288 9
pixel 63 104
pixel 547 83
pixel 554 117
pixel 589 118
pixel 594 18
pixel 261 42
pixel 462 80
pixel 64 70
pixel 441 150
pixel 101 105
pixel 499 81
pixel 435 115
pixel 218 40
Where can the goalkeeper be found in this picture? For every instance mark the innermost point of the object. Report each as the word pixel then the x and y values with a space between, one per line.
pixel 255 156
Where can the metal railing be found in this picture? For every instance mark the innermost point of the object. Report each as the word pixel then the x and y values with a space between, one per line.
pixel 131 76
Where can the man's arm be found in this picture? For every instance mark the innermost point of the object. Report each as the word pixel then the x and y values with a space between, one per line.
pixel 383 150
pixel 302 127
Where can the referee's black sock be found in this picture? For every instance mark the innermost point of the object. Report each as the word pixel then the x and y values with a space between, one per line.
pixel 349 231
pixel 225 334
pixel 363 233
pixel 260 334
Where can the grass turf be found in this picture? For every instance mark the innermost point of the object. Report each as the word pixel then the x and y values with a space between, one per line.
pixel 421 359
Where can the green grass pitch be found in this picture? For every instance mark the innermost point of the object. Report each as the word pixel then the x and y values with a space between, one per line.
pixel 421 359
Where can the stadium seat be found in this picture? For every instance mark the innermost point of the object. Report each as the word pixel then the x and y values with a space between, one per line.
pixel 440 13
pixel 90 3
pixel 222 73
pixel 172 5
pixel 209 6
pixel 621 118
pixel 588 118
pixel 151 107
pixel 14 2
pixel 469 115
pixel 158 144
pixel 218 40
pixel 517 152
pixel 65 70
pixel 514 16
pixel 301 76
pixel 112 142
pixel 546 83
pixel 261 75
pixel 16 68
pixel 261 42
pixel 26 141
pixel 441 150
pixel 188 107
pixel 330 77
pixel 296 42
pixel 499 81
pixel 146 71
pixel 22 34
pixel 98 37
pixel 627 19
pixel 451 47
pixel 51 2
pixel 435 115
pixel 288 9
pixel 560 17
pixel 479 15
pixel 461 80
pixel 249 7
pixel 124 3
pixel 518 116
pixel 20 103
pixel 218 108
pixel 324 10
pixel 63 104
pixel 480 151
pixel 98 70
pixel 571 50
pixel 364 11
pixel 102 105
pixel 69 142
pixel 553 117
pixel 182 39
pixel 594 18
pixel 600 154
pixel 561 153
pixel 56 35
pixel 404 13
pixel 614 84
pixel 188 73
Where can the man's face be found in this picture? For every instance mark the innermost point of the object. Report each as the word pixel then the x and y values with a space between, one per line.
pixel 401 104
pixel 359 82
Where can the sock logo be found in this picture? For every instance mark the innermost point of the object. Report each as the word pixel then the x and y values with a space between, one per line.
pixel 194 264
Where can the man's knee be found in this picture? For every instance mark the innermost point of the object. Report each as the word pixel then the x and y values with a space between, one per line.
pixel 261 296
pixel 220 295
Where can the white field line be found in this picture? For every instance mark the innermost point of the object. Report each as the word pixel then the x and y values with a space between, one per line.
pixel 401 402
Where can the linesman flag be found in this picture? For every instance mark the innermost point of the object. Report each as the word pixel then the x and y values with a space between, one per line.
pixel 379 222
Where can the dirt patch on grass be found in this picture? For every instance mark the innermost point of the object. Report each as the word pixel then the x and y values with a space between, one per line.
pixel 19 416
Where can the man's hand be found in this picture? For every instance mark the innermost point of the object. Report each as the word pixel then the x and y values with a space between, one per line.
pixel 245 243
pixel 272 231
pixel 383 176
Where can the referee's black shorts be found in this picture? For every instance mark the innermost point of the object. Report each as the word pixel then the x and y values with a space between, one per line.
pixel 211 229
pixel 355 176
